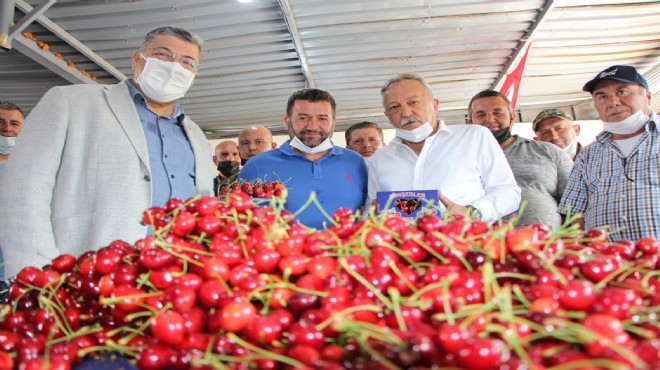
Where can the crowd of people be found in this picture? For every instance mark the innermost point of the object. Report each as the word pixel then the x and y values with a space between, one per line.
pixel 107 152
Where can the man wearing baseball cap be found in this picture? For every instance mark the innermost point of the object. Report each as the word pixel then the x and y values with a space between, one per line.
pixel 616 179
pixel 557 127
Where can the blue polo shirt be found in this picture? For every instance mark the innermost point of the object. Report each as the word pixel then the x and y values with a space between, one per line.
pixel 339 179
pixel 171 157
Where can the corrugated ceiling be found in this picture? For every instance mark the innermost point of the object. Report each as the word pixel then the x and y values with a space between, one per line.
pixel 258 53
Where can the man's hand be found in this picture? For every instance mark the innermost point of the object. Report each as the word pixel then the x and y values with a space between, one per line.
pixel 452 208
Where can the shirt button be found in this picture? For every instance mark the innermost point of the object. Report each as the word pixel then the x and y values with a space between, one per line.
pixel 147 178
pixel 172 176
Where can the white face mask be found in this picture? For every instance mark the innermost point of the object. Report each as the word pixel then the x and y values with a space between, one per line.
pixel 416 135
pixel 325 145
pixel 7 144
pixel 164 81
pixel 571 149
pixel 629 125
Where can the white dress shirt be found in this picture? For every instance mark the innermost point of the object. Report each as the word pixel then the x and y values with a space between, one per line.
pixel 464 162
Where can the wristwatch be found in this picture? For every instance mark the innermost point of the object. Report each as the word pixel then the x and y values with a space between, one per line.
pixel 475 213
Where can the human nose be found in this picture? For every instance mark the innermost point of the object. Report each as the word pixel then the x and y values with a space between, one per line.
pixel 406 111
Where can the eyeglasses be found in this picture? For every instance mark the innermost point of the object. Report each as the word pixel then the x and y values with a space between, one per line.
pixel 168 55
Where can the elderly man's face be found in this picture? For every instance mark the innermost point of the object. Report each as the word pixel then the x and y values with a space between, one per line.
pixel 558 131
pixel 616 101
pixel 408 105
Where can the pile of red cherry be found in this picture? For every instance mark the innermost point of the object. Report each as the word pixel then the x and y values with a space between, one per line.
pixel 257 189
pixel 225 284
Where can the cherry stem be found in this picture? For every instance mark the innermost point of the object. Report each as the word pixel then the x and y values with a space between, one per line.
pixel 347 311
pixel 343 263
pixel 362 340
pixel 267 354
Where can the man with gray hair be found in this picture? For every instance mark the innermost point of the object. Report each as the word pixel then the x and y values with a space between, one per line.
pixel 464 162
pixel 614 183
pixel 11 124
pixel 106 153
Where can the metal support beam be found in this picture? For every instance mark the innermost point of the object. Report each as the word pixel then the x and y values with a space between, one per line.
pixel 297 42
pixel 73 42
pixel 30 49
pixel 30 17
pixel 549 4
pixel 6 18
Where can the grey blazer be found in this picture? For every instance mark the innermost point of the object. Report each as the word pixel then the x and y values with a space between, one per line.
pixel 79 176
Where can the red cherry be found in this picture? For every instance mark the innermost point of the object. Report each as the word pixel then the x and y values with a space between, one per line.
pixel 168 327
pixel 64 262
pixel 609 328
pixel 483 354
pixel 577 295
pixel 237 316
pixel 184 223
pixel 207 205
pixel 648 246
pixel 156 357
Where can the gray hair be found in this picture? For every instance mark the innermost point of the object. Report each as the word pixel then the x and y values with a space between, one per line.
pixel 406 77
pixel 177 32
pixel 10 106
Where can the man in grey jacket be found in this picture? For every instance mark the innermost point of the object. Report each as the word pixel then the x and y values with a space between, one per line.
pixel 541 169
pixel 92 157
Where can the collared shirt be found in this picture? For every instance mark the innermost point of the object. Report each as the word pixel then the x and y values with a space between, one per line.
pixel 616 191
pixel 171 158
pixel 464 162
pixel 338 179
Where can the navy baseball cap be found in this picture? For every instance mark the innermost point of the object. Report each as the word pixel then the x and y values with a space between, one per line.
pixel 627 74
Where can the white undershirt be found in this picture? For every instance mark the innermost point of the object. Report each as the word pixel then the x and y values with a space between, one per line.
pixel 626 145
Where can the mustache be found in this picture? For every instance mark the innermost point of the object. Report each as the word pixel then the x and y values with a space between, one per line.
pixel 410 119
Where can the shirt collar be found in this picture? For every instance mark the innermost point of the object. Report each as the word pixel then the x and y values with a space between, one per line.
pixel 138 98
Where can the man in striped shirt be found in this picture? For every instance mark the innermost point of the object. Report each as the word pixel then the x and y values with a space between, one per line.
pixel 615 182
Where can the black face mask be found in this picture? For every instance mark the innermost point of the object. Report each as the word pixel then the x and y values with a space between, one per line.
pixel 228 168
pixel 243 162
pixel 502 135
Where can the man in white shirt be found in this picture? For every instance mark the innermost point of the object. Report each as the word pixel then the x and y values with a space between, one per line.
pixel 464 163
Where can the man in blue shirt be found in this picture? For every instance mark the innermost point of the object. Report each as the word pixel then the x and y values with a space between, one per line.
pixel 309 164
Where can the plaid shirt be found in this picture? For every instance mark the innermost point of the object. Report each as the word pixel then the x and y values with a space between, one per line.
pixel 616 191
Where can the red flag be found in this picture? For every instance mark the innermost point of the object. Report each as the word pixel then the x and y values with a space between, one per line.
pixel 511 85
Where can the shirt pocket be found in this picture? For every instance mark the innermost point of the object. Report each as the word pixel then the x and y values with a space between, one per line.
pixel 650 174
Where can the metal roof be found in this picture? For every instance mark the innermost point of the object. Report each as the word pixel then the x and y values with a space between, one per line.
pixel 257 53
